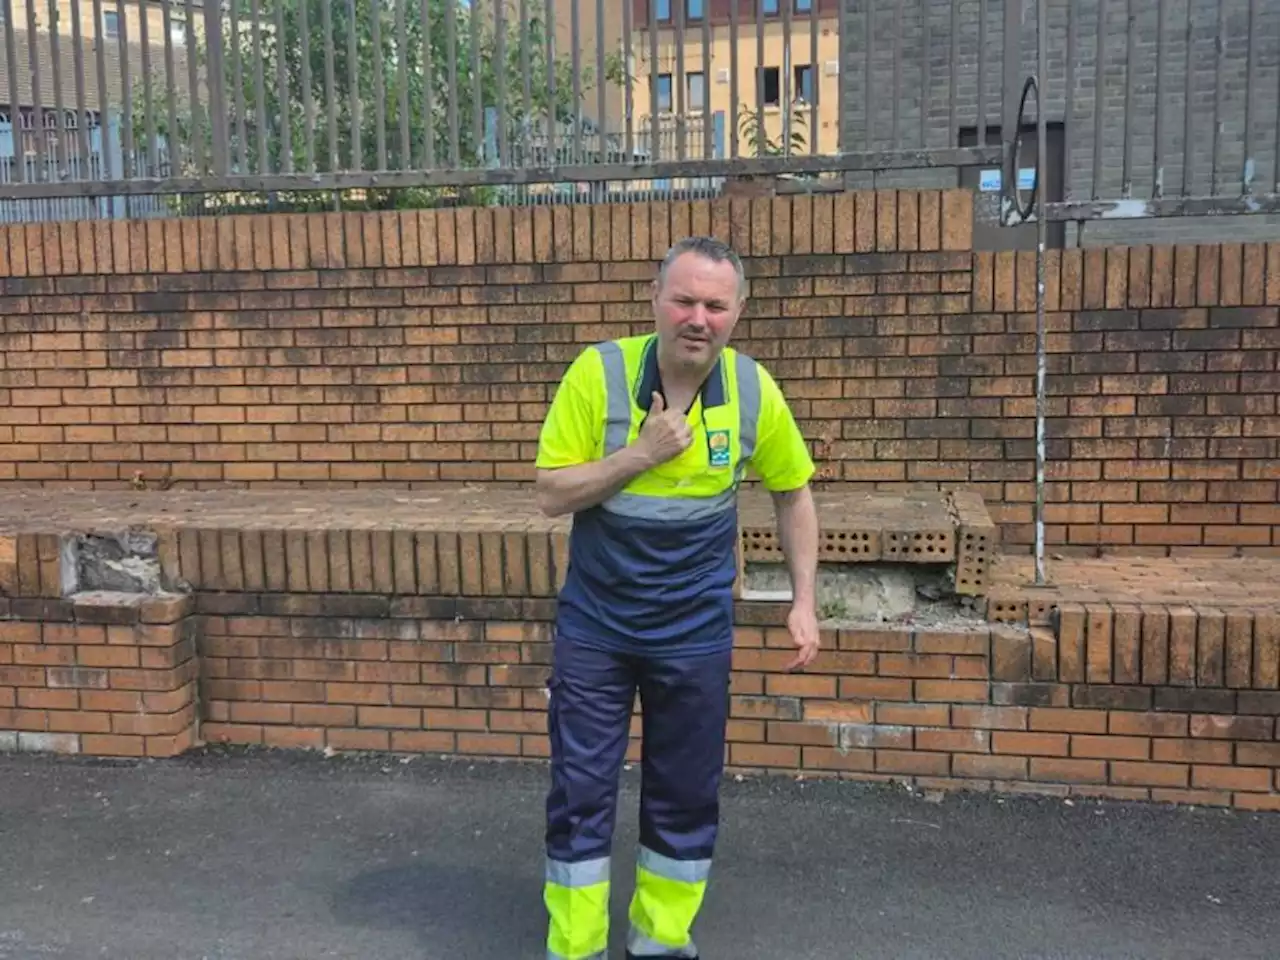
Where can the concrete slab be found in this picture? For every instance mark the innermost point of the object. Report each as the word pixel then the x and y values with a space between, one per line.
pixel 242 856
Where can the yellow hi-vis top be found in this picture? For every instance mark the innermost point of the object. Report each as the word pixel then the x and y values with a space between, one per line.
pixel 652 568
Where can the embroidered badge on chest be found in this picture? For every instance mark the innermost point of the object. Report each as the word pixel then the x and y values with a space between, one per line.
pixel 718 447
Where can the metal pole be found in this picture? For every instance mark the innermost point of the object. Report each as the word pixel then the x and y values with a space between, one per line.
pixel 1042 226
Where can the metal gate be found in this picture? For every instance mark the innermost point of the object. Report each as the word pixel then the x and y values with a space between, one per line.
pixel 1196 148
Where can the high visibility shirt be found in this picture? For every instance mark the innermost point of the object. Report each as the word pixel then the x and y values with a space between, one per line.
pixel 652 568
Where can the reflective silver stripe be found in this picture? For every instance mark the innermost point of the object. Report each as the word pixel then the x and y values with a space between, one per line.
pixel 584 874
pixel 670 509
pixel 748 404
pixel 618 398
pixel 684 871
pixel 640 945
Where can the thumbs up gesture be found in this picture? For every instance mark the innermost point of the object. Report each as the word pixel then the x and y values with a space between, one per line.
pixel 665 433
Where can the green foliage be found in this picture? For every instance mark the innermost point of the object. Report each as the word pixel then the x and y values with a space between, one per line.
pixel 755 141
pixel 258 117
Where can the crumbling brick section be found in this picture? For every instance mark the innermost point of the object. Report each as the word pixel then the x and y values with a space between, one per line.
pixel 105 674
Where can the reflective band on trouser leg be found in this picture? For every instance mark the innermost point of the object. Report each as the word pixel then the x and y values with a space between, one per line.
pixel 667 899
pixel 577 899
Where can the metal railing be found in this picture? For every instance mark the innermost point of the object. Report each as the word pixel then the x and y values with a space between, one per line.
pixel 524 99
pixel 536 101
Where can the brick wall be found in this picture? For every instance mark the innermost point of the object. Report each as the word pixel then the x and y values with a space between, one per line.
pixel 1173 705
pixel 423 346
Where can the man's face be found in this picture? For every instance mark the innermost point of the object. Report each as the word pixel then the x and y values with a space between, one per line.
pixel 696 309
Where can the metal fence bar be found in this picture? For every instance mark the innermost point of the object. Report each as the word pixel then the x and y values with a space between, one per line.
pixel 924 72
pixel 628 92
pixel 552 115
pixel 526 70
pixel 379 87
pixel 1099 56
pixel 428 88
pixel 1126 177
pixel 1188 152
pixel 216 75
pixel 868 48
pixel 734 94
pixel 37 111
pixel 655 143
pixel 953 85
pixel 402 84
pixel 353 88
pixel 585 173
pixel 451 44
pixel 1219 92
pixel 126 88
pixel 679 81
pixel 982 69
pixel 602 110
pixel 284 109
pixel 308 98
pixel 330 85
pixel 11 61
pixel 237 70
pixel 708 129
pixel 259 89
pixel 170 91
pixel 1069 118
pixel 1251 69
pixel 575 27
pixel 82 114
pixel 148 98
pixel 1157 147
pixel 60 120
pixel 1011 61
pixel 897 68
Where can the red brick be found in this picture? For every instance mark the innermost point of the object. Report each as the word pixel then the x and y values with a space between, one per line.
pixel 1030 744
pixel 1149 774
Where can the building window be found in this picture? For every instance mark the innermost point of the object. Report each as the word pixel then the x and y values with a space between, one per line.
pixel 804 6
pixel 697 91
pixel 664 9
pixel 111 24
pixel 771 86
pixel 769 7
pixel 693 9
pixel 662 96
pixel 803 83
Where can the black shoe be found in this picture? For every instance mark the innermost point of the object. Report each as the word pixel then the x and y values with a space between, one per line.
pixel 632 956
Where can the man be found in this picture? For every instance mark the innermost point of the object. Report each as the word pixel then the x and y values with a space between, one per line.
pixel 645 444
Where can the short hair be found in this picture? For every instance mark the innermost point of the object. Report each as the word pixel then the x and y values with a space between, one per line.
pixel 715 250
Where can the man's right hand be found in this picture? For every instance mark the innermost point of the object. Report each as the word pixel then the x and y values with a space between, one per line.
pixel 665 434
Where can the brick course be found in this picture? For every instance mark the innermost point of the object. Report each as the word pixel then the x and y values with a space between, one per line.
pixel 420 347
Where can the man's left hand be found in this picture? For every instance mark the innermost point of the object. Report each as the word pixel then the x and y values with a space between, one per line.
pixel 803 624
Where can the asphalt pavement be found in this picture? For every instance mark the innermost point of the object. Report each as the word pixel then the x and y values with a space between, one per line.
pixel 244 855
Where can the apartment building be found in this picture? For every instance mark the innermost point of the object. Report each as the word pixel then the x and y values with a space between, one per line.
pixel 787 58
pixel 79 44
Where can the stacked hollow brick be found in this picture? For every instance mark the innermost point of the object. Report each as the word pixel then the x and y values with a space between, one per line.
pixel 411 347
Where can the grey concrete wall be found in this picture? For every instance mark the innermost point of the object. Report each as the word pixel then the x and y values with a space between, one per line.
pixel 935 90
